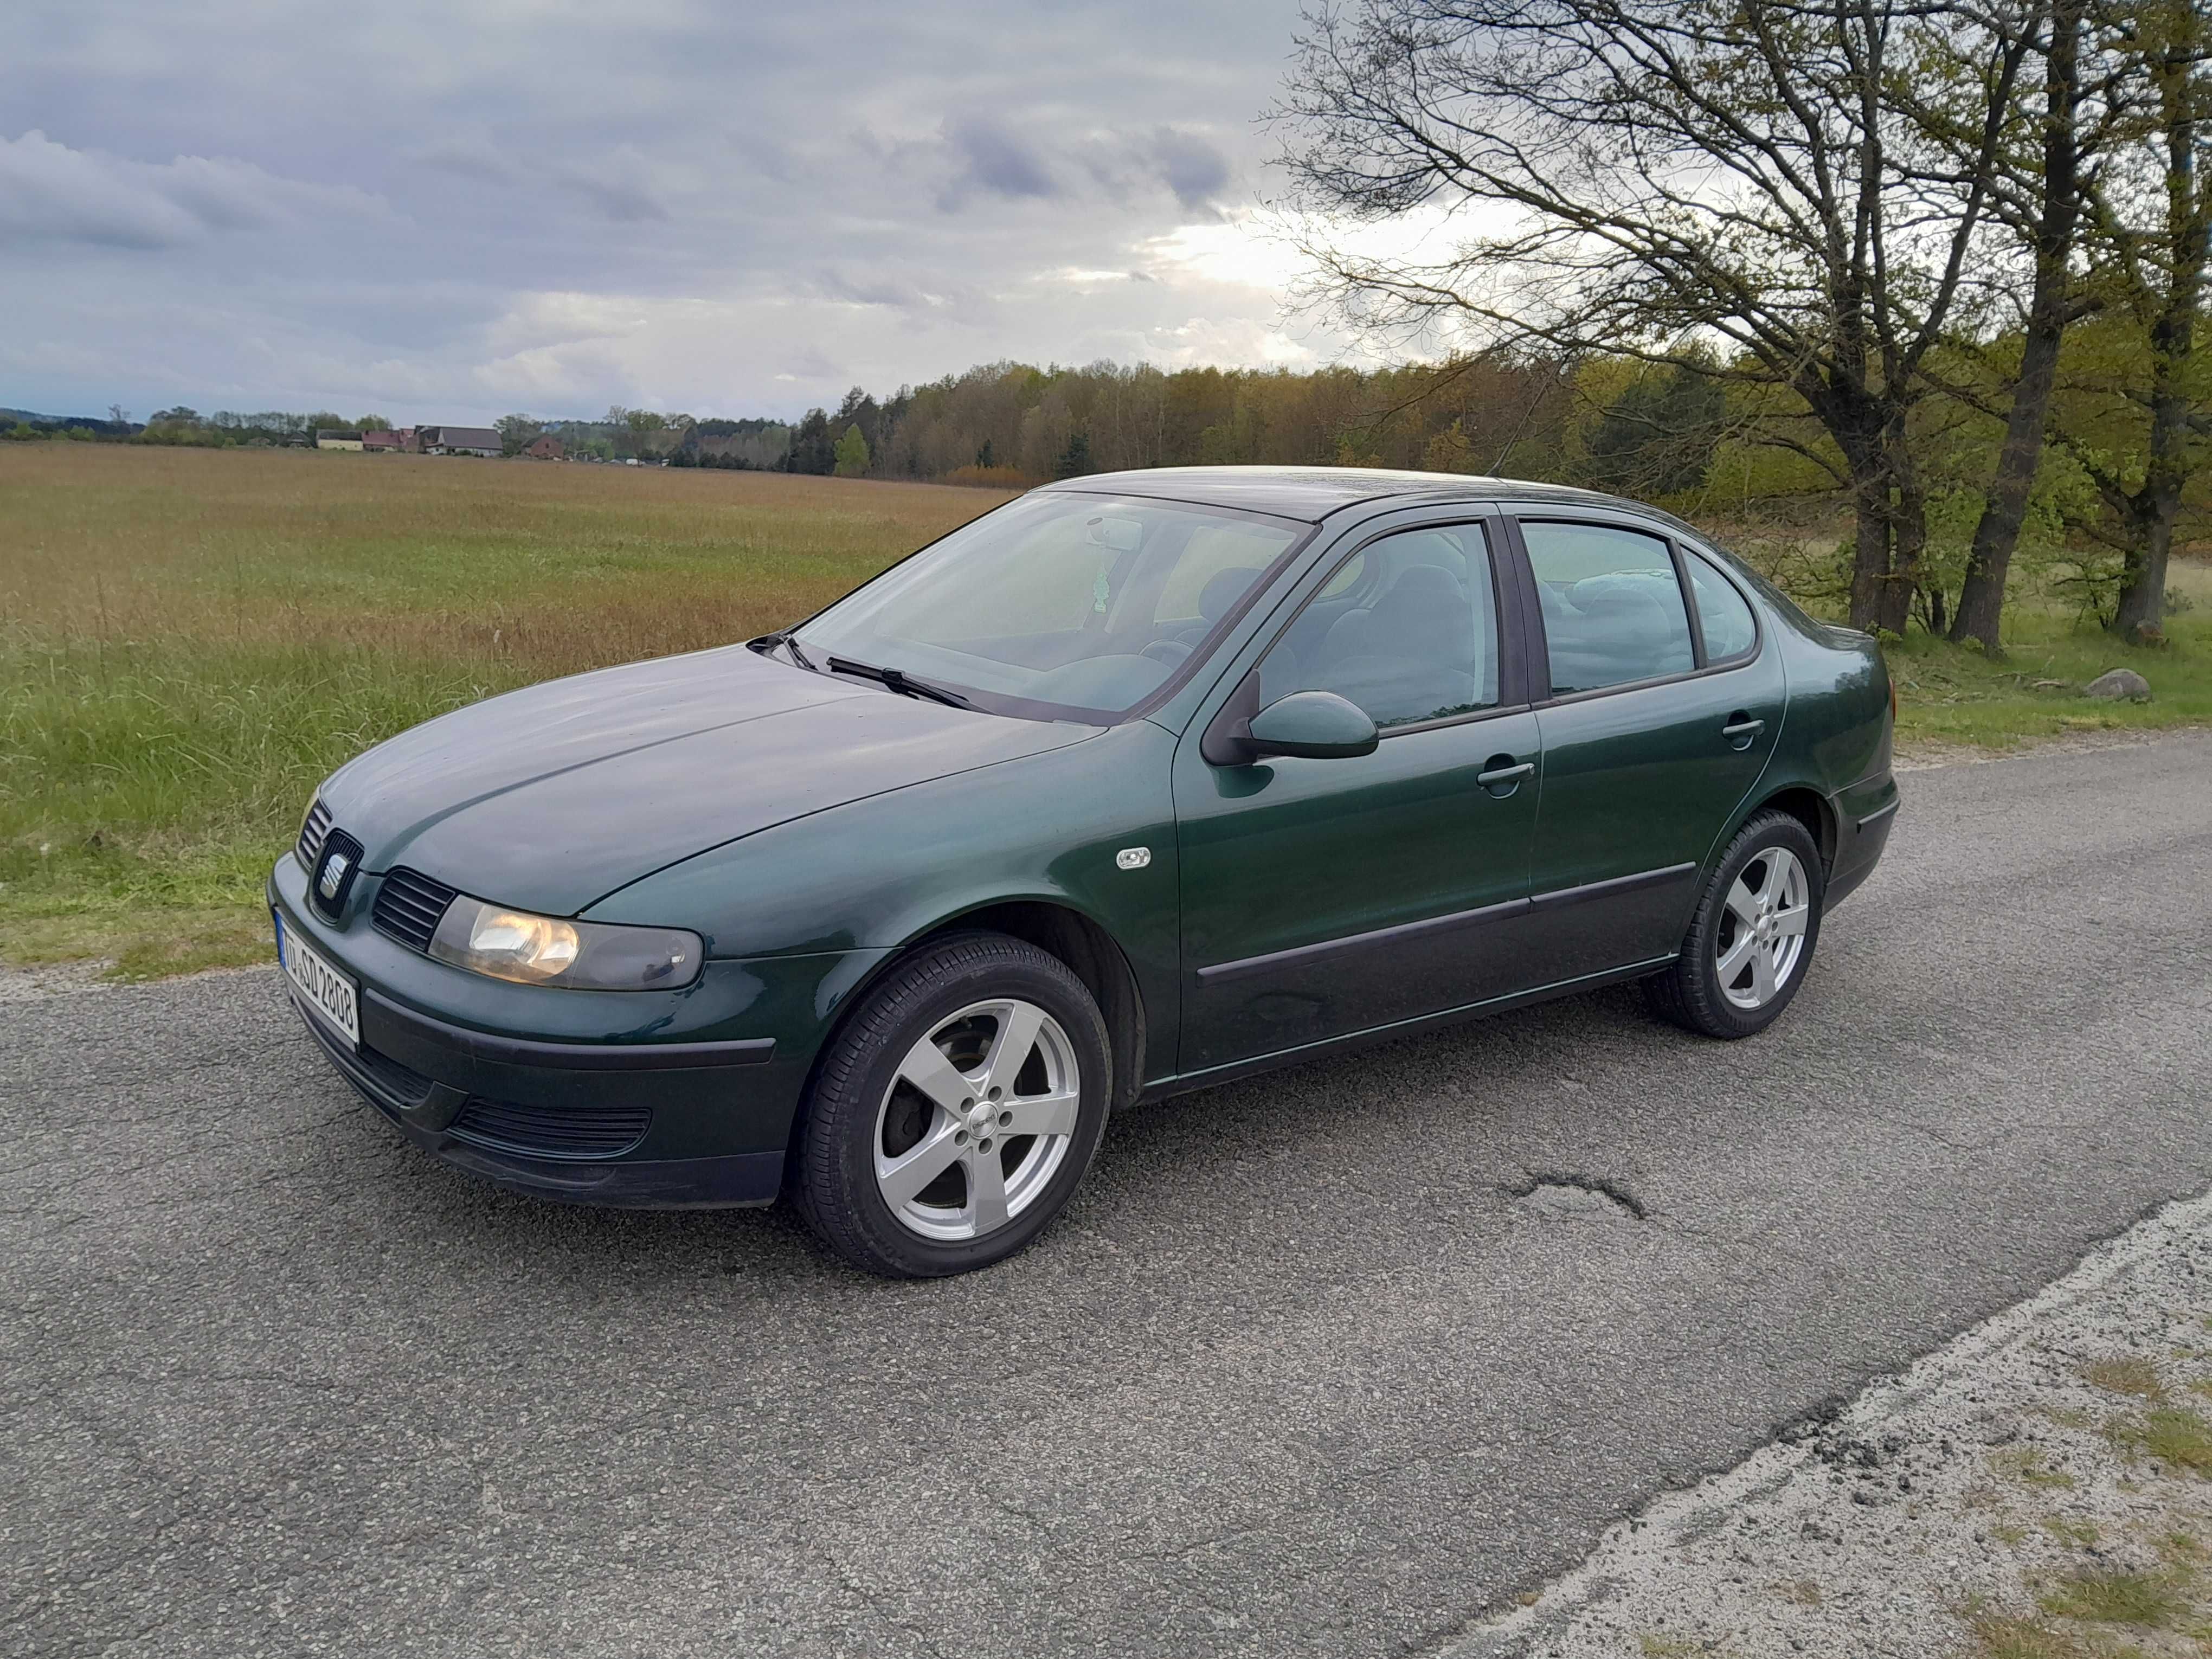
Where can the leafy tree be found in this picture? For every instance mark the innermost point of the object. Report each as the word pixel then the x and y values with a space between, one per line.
pixel 812 449
pixel 2137 419
pixel 1658 438
pixel 2037 194
pixel 852 454
pixel 1074 460
pixel 517 433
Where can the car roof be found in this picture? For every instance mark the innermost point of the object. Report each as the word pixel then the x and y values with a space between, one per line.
pixel 1310 494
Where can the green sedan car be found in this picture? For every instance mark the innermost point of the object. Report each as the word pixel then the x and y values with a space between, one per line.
pixel 1141 783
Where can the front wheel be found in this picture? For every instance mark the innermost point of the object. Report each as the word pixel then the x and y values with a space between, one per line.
pixel 1751 940
pixel 955 1113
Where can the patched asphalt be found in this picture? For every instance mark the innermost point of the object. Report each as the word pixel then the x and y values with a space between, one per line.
pixel 1323 1363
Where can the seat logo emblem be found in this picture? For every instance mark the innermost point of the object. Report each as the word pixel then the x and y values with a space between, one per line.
pixel 1133 858
pixel 334 873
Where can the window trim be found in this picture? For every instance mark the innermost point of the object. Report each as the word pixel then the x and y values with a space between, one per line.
pixel 1506 605
pixel 1539 644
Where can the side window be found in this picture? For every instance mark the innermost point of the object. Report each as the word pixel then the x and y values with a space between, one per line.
pixel 1613 605
pixel 1722 612
pixel 1424 648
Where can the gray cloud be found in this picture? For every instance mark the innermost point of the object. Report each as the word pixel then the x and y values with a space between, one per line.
pixel 620 200
pixel 464 209
pixel 991 161
pixel 50 193
pixel 1191 165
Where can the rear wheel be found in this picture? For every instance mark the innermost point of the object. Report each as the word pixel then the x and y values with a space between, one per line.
pixel 957 1111
pixel 1751 940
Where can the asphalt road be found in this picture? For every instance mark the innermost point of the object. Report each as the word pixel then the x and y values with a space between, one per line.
pixel 1298 1374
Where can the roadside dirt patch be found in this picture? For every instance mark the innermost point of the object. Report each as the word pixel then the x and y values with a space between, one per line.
pixel 2041 1488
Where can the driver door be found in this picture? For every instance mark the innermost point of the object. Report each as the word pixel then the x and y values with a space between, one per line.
pixel 1325 897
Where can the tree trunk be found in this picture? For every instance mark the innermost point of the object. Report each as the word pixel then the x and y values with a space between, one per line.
pixel 1908 530
pixel 1870 551
pixel 2142 599
pixel 1981 597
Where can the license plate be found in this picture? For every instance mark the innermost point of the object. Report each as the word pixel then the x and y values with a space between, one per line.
pixel 321 987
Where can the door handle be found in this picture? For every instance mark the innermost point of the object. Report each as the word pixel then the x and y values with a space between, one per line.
pixel 1741 729
pixel 1507 774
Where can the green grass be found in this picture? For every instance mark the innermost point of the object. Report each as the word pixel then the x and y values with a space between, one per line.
pixel 191 639
pixel 2174 1434
pixel 1950 695
pixel 2148 1601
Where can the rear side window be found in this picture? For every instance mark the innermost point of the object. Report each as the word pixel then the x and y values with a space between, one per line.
pixel 1722 612
pixel 1613 605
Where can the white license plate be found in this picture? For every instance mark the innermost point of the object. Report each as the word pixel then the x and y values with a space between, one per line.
pixel 321 987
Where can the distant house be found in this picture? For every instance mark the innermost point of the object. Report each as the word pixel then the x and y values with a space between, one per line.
pixel 458 440
pixel 547 448
pixel 387 443
pixel 326 438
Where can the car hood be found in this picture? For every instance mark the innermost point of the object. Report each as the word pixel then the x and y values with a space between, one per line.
pixel 550 797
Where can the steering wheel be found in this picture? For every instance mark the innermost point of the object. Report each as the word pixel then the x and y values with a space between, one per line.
pixel 1170 652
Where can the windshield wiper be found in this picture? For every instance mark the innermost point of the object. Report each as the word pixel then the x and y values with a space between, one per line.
pixel 901 682
pixel 789 642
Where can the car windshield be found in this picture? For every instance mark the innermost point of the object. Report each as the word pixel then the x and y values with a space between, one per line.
pixel 1059 604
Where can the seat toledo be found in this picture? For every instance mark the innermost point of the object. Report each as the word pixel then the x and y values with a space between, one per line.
pixel 1138 783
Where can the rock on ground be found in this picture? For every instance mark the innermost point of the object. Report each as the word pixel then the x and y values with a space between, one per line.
pixel 2118 685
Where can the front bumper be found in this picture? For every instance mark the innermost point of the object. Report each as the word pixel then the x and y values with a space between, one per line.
pixel 659 1100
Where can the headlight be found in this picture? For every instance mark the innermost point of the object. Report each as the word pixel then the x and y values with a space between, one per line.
pixel 587 955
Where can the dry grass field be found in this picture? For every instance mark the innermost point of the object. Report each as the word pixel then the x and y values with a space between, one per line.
pixel 190 639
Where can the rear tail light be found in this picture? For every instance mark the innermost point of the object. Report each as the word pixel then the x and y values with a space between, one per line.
pixel 1893 699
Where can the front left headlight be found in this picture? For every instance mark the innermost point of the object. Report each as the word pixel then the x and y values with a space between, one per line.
pixel 584 956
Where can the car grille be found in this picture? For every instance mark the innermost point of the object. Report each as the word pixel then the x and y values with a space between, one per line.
pixel 551 1132
pixel 336 845
pixel 311 835
pixel 408 906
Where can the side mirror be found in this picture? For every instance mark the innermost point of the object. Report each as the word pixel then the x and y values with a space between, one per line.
pixel 1311 725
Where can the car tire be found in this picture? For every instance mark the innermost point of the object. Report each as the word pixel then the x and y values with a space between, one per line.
pixel 1736 973
pixel 885 1114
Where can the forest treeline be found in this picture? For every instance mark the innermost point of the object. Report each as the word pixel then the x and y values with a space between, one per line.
pixel 1680 436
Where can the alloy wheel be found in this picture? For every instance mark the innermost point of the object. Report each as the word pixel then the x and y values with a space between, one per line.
pixel 977 1119
pixel 1761 939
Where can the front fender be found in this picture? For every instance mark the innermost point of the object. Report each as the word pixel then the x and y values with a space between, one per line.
pixel 877 874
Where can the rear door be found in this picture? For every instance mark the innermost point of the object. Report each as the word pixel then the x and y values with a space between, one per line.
pixel 1664 703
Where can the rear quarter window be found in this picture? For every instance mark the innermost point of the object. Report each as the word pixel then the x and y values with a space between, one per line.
pixel 1722 613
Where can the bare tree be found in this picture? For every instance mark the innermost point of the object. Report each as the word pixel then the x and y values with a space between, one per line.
pixel 1727 181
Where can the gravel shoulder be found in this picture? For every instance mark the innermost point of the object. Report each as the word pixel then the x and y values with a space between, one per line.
pixel 2040 1488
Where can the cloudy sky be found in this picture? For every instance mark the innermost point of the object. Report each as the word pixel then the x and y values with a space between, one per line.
pixel 452 210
